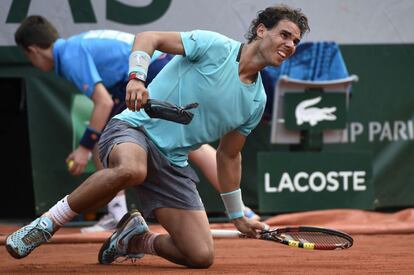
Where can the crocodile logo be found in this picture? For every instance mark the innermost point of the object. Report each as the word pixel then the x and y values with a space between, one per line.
pixel 305 112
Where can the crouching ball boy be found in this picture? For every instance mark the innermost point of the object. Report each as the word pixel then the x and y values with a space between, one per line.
pixel 222 76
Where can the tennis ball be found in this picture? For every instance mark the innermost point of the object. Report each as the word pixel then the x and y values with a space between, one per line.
pixel 70 164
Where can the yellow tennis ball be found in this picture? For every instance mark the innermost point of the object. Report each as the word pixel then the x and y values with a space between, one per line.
pixel 70 164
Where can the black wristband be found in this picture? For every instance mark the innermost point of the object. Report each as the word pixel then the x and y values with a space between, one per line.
pixel 90 138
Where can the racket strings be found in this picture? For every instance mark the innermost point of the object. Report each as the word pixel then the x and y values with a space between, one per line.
pixel 318 238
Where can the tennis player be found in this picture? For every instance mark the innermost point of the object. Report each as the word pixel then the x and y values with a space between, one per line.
pixel 222 76
pixel 101 73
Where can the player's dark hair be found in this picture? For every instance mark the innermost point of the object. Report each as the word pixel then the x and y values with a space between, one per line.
pixel 271 16
pixel 36 30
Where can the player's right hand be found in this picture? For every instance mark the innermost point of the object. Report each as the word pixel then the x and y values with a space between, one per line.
pixel 136 95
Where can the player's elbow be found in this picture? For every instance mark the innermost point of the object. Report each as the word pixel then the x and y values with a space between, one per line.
pixel 108 104
pixel 141 36
pixel 147 37
pixel 224 156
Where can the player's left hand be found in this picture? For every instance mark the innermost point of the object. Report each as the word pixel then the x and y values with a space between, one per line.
pixel 249 227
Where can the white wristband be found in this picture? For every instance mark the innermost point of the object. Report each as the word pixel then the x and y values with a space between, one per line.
pixel 139 62
pixel 233 203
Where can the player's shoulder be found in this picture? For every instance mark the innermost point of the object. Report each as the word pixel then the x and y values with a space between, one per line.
pixel 218 41
pixel 206 35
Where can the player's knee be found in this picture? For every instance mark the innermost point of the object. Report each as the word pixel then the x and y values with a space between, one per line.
pixel 203 258
pixel 132 175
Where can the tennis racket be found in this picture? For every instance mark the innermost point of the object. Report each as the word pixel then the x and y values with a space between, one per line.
pixel 302 237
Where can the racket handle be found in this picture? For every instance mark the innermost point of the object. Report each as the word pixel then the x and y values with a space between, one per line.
pixel 226 234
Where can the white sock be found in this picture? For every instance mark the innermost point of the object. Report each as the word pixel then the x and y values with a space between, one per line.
pixel 118 207
pixel 146 243
pixel 61 212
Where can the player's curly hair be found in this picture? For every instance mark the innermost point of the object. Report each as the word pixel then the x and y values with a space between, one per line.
pixel 36 30
pixel 271 16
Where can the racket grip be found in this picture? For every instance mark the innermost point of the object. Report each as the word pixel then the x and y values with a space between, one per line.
pixel 225 234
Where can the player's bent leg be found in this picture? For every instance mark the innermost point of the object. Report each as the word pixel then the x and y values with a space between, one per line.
pixel 128 167
pixel 23 241
pixel 189 241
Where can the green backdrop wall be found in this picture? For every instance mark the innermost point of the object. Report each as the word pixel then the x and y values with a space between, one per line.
pixel 380 121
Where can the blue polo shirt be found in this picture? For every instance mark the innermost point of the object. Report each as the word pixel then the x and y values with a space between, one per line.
pixel 95 56
pixel 209 75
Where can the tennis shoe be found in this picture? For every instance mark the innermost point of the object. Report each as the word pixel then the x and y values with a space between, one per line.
pixel 106 223
pixel 116 246
pixel 23 241
pixel 250 214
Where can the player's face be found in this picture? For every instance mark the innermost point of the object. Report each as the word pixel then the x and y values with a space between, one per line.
pixel 280 42
pixel 38 58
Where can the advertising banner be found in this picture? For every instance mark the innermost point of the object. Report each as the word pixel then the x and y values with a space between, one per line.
pixel 315 110
pixel 300 181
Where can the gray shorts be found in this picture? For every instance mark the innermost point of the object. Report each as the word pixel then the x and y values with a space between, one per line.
pixel 166 185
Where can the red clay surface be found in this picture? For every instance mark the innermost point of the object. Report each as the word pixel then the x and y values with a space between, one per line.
pixel 383 244
pixel 371 254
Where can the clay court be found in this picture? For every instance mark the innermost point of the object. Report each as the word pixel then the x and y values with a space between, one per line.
pixel 383 244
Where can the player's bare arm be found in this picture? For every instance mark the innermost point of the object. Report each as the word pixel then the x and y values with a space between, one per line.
pixel 145 44
pixel 229 161
pixel 229 175
pixel 168 42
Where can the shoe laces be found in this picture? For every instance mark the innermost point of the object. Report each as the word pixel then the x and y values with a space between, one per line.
pixel 125 258
pixel 36 235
